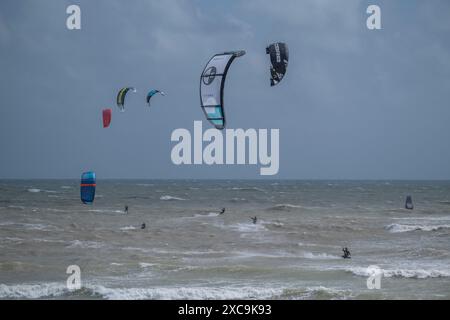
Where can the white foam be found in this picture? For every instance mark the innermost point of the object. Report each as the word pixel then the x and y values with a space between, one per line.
pixel 34 190
pixel 11 239
pixel 168 198
pixel 187 293
pixel 85 244
pixel 211 214
pixel 396 228
pixel 32 291
pixel 128 228
pixel 319 256
pixel 248 189
pixel 145 264
pixel 402 273
pixel 105 211
pixel 230 292
pixel 246 227
pixel 30 226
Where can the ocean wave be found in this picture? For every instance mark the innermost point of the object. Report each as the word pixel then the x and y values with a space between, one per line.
pixel 31 226
pixel 11 239
pixel 246 227
pixel 238 199
pixel 187 293
pixel 66 187
pixel 402 273
pixel 48 240
pixel 36 190
pixel 128 228
pixel 85 244
pixel 248 189
pixel 397 228
pixel 319 256
pixel 145 265
pixel 168 198
pixel 210 214
pixel 317 293
pixel 17 207
pixel 105 211
pixel 441 218
pixel 284 207
pixel 32 291
pixel 230 292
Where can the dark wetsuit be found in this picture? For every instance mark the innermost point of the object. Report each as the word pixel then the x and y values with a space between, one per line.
pixel 347 254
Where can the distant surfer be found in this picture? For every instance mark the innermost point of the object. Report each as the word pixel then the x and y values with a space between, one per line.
pixel 126 209
pixel 222 211
pixel 347 254
pixel 408 203
pixel 254 219
pixel 143 225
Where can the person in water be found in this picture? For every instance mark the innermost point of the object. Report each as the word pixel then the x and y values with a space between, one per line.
pixel 143 225
pixel 254 219
pixel 347 254
pixel 222 211
pixel 126 209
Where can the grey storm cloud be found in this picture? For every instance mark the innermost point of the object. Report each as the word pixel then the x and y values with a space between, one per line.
pixel 355 103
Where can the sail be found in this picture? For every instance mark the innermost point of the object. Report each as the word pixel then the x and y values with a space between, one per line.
pixel 212 83
pixel 152 93
pixel 106 117
pixel 409 203
pixel 87 187
pixel 279 57
pixel 121 97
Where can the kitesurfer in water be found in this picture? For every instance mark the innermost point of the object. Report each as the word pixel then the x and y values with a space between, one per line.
pixel 347 254
pixel 126 209
pixel 143 225
pixel 222 211
pixel 254 219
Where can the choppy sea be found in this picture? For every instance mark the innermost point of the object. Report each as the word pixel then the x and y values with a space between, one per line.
pixel 190 251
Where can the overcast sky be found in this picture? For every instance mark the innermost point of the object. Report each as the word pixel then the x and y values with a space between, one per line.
pixel 354 104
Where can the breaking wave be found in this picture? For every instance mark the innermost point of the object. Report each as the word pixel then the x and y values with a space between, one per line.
pixel 285 207
pixel 396 228
pixel 55 289
pixel 168 198
pixel 402 273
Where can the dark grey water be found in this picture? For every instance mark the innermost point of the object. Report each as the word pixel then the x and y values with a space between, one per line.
pixel 189 251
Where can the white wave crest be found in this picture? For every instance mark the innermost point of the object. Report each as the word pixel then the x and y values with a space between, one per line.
pixel 209 215
pixel 285 207
pixel 319 256
pixel 85 244
pixel 402 273
pixel 396 228
pixel 128 228
pixel 168 198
